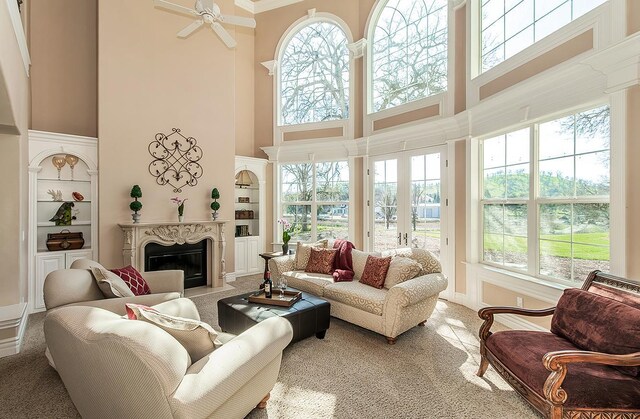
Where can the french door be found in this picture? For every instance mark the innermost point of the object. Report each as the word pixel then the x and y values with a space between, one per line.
pixel 408 202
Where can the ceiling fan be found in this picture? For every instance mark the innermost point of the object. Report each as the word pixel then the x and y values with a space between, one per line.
pixel 207 11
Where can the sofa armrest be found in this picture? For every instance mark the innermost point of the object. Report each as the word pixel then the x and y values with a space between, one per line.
pixel 215 378
pixel 487 314
pixel 281 264
pixel 417 289
pixel 557 361
pixel 165 281
pixel 117 305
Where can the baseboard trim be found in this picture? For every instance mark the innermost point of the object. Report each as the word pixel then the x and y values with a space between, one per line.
pixel 11 317
pixel 515 322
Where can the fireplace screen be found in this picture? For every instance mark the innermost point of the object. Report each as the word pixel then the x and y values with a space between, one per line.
pixel 190 258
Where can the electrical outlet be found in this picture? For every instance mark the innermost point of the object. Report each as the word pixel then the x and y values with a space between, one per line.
pixel 519 302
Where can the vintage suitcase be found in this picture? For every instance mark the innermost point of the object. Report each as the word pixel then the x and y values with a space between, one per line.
pixel 65 240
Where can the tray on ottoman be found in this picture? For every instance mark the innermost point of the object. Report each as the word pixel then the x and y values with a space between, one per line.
pixel 290 298
pixel 309 316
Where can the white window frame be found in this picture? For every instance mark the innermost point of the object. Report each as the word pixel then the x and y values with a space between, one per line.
pixel 617 194
pixel 313 203
pixel 443 99
pixel 280 130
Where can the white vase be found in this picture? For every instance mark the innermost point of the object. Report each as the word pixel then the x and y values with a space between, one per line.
pixel 180 218
pixel 214 215
pixel 136 218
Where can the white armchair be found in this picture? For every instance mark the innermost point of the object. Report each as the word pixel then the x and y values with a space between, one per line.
pixel 115 368
pixel 76 286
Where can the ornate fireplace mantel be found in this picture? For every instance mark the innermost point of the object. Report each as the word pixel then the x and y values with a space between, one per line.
pixel 136 237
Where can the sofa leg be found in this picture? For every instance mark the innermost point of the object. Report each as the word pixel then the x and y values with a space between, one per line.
pixel 391 341
pixel 421 324
pixel 484 364
pixel 263 402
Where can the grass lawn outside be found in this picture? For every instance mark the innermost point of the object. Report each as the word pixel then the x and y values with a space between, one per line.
pixel 587 246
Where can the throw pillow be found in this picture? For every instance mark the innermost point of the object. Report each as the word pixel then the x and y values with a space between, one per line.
pixel 303 252
pixel 375 271
pixel 401 269
pixel 198 338
pixel 359 259
pixel 111 285
pixel 133 279
pixel 321 261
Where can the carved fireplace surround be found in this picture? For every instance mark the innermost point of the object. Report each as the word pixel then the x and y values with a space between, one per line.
pixel 137 236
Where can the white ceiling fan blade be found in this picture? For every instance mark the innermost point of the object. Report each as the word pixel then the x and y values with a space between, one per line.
pixel 174 7
pixel 223 34
pixel 238 20
pixel 190 29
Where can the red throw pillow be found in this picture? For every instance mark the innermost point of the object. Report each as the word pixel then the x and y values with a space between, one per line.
pixel 321 261
pixel 375 271
pixel 133 279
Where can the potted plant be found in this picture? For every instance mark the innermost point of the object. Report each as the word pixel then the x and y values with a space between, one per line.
pixel 136 205
pixel 180 203
pixel 215 205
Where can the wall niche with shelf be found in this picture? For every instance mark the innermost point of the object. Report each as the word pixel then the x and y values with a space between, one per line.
pixel 62 171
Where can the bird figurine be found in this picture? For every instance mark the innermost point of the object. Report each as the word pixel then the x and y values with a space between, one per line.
pixel 63 216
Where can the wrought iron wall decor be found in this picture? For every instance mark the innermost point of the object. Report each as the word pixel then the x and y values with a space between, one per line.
pixel 175 160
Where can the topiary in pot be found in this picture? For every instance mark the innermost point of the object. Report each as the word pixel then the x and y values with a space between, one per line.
pixel 215 205
pixel 136 205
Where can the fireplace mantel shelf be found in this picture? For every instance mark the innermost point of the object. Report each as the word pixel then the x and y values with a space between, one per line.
pixel 137 236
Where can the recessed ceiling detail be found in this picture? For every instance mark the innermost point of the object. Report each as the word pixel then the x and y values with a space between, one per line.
pixel 259 6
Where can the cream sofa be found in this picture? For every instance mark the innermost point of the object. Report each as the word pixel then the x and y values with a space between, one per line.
pixel 388 312
pixel 76 286
pixel 118 368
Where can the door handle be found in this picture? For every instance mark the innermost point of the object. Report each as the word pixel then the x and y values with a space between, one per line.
pixel 400 238
pixel 406 239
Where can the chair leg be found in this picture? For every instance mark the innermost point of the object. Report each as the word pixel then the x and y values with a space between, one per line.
pixel 391 341
pixel 484 364
pixel 263 402
pixel 421 324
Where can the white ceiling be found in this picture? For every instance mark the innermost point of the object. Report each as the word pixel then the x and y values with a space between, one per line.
pixel 259 6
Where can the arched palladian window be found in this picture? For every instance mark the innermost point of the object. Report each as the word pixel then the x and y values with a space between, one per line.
pixel 409 54
pixel 314 75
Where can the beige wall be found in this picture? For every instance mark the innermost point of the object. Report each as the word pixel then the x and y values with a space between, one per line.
pixel 245 91
pixel 64 76
pixel 14 112
pixel 461 216
pixel 633 180
pixel 460 102
pixel 633 16
pixel 151 81
pixel 499 296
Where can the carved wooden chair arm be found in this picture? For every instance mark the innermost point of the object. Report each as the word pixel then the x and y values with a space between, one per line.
pixel 557 361
pixel 487 314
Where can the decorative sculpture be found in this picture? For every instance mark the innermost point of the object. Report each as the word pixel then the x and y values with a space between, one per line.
pixel 175 160
pixel 63 216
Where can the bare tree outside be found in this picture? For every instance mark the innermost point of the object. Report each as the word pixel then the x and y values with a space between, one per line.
pixel 314 75
pixel 409 60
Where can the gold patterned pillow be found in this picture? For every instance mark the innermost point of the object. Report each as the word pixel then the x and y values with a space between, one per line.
pixel 375 271
pixel 303 252
pixel 401 269
pixel 321 261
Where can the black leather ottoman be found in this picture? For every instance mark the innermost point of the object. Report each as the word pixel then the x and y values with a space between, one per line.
pixel 309 316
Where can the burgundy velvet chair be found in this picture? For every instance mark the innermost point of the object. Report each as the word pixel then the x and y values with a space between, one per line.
pixel 588 365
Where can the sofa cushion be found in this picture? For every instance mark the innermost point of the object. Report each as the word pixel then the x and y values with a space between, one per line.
pixel 321 261
pixel 303 252
pixel 427 260
pixel 375 271
pixel 133 279
pixel 401 269
pixel 522 352
pixel 198 338
pixel 596 323
pixel 359 259
pixel 111 285
pixel 357 295
pixel 307 282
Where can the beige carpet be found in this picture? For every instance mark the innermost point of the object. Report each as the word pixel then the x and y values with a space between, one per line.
pixel 352 373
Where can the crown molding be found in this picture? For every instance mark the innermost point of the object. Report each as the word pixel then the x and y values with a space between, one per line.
pixel 260 6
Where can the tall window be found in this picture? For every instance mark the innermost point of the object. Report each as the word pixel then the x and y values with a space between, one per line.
pixel 569 202
pixel 409 57
pixel 314 75
pixel 315 199
pixel 509 26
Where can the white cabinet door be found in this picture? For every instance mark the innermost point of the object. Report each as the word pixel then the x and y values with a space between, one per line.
pixel 241 256
pixel 253 257
pixel 45 263
pixel 75 255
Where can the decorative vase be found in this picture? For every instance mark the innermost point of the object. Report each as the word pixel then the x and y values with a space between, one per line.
pixel 214 215
pixel 285 249
pixel 136 217
pixel 180 218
